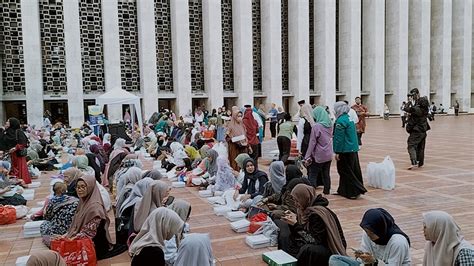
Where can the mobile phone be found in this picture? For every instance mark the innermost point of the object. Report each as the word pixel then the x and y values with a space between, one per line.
pixel 357 251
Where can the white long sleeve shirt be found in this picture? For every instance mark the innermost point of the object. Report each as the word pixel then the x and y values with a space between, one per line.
pixel 395 253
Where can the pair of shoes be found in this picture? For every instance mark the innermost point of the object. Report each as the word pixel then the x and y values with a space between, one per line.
pixel 355 197
pixel 411 167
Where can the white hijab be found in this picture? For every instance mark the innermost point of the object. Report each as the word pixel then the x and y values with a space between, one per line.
pixel 195 250
pixel 162 224
pixel 444 239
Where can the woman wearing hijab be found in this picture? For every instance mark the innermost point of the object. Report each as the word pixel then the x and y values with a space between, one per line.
pixel 225 178
pixel 319 153
pixel 71 175
pixel 115 159
pixel 106 143
pixel 131 160
pixel 195 250
pixel 82 163
pixel 153 174
pixel 162 224
pixel 205 170
pixel 192 153
pixel 45 258
pixel 251 129
pixel 126 184
pixel 345 146
pixel 154 197
pixel 91 219
pixel 13 140
pixel 382 240
pixel 237 140
pixel 124 221
pixel 183 209
pixel 445 243
pixel 99 152
pixel 316 233
pixel 273 188
pixel 305 125
pixel 254 181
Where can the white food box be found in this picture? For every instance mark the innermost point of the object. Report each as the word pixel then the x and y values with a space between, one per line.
pixel 178 184
pixel 213 200
pixel 40 203
pixel 58 165
pixel 205 193
pixel 21 261
pixel 28 194
pixel 34 210
pixel 34 184
pixel 257 241
pixel 32 229
pixel 279 257
pixel 221 210
pixel 240 226
pixel 235 216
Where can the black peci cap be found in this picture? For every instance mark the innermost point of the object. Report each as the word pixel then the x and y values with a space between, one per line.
pixel 302 102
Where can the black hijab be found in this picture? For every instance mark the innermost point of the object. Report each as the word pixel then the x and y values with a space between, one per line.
pixel 256 173
pixel 292 172
pixel 13 135
pixel 382 224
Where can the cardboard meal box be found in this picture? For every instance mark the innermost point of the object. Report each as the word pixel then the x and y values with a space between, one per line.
pixel 21 261
pixel 178 184
pixel 35 184
pixel 205 193
pixel 279 258
pixel 234 215
pixel 221 210
pixel 257 241
pixel 32 229
pixel 241 226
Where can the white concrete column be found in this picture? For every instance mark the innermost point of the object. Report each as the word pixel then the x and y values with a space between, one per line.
pixel 2 107
pixel 271 50
pixel 110 31
pixel 212 41
pixel 373 54
pixel 461 53
pixel 243 61
pixel 441 22
pixel 32 61
pixel 396 53
pixel 72 41
pixel 147 56
pixel 181 55
pixel 325 50
pixel 298 51
pixel 419 34
pixel 349 48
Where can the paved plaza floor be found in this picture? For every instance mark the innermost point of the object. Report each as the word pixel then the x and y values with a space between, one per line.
pixel 446 182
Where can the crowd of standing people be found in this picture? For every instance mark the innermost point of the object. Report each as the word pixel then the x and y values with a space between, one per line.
pixel 218 152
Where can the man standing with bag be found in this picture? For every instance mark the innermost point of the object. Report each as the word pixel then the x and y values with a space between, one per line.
pixel 416 126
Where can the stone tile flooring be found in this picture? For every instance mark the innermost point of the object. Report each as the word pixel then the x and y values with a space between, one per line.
pixel 444 183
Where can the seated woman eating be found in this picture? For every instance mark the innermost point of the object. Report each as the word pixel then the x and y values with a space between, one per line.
pixel 91 219
pixel 58 214
pixel 253 184
pixel 162 224
pixel 382 240
pixel 315 231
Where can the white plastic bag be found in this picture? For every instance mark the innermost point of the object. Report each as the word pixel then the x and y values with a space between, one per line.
pixel 21 211
pixel 382 175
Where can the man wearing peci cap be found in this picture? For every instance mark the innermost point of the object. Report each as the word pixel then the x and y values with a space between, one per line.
pixel 417 125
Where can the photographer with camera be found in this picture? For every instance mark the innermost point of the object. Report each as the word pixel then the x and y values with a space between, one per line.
pixel 417 110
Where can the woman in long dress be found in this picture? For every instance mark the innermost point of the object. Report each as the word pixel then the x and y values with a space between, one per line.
pixel 13 140
pixel 236 132
pixel 346 147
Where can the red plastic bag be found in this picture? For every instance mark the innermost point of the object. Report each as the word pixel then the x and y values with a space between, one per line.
pixel 208 134
pixel 7 215
pixel 256 222
pixel 76 252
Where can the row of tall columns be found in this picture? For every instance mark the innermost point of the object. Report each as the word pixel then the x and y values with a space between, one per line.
pixel 429 49
pixel 32 61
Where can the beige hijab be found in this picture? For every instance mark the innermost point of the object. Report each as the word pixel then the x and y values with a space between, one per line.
pixel 71 175
pixel 152 199
pixel 307 112
pixel 45 258
pixel 161 225
pixel 182 208
pixel 89 208
pixel 444 239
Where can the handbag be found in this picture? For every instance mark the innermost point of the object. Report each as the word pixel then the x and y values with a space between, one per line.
pixel 79 251
pixel 20 152
pixel 7 215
